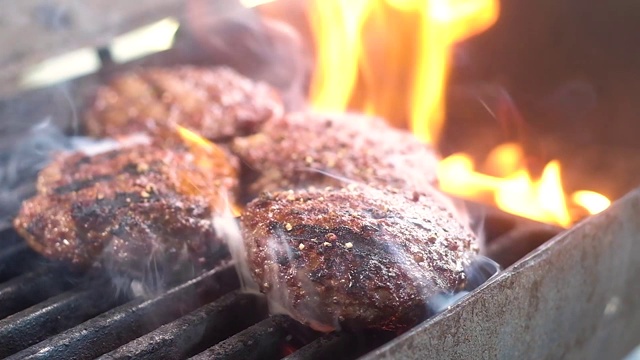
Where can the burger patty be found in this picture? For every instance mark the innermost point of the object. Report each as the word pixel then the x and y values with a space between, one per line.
pixel 303 149
pixel 216 103
pixel 355 256
pixel 130 208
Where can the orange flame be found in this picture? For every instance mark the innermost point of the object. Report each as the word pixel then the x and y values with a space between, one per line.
pixel 207 156
pixel 515 192
pixel 344 54
pixel 206 153
pixel 391 58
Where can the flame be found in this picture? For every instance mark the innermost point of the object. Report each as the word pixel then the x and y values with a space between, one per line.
pixel 391 58
pixel 514 190
pixel 207 156
pixel 591 201
pixel 206 153
pixel 345 54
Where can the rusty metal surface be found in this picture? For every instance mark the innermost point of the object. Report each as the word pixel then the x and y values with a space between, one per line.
pixel 575 297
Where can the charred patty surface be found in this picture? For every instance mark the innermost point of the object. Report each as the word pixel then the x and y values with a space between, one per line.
pixel 303 149
pixel 355 256
pixel 216 103
pixel 129 208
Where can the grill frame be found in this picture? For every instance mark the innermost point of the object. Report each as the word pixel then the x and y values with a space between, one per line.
pixel 576 298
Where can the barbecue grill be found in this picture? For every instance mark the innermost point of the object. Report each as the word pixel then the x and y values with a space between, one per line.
pixel 564 294
pixel 50 312
pixel 574 297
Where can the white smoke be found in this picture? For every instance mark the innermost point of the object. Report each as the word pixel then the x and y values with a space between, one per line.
pixel 29 152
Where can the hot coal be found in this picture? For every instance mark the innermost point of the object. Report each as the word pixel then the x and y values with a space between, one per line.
pixel 216 103
pixel 303 149
pixel 140 210
pixel 357 257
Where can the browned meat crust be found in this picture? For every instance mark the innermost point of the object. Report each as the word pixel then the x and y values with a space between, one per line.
pixel 129 207
pixel 355 256
pixel 299 149
pixel 217 103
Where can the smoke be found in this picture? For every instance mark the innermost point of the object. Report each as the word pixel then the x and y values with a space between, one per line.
pixel 331 175
pixel 23 155
pixel 226 32
pixel 227 226
pixel 479 271
pixel 281 297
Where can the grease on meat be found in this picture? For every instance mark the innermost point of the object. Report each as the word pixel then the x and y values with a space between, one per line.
pixel 356 256
pixel 130 208
pixel 303 149
pixel 217 103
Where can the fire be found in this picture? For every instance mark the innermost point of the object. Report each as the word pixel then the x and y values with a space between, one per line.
pixel 204 151
pixel 391 58
pixel 356 39
pixel 591 201
pixel 207 155
pixel 515 192
pixel 513 189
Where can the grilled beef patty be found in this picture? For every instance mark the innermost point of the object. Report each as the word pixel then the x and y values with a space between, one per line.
pixel 131 208
pixel 216 103
pixel 355 256
pixel 303 149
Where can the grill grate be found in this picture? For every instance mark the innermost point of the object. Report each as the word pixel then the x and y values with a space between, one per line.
pixel 208 324
pixel 50 312
pixel 264 340
pixel 70 308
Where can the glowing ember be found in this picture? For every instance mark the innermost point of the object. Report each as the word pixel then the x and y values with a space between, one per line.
pixel 288 349
pixel 391 57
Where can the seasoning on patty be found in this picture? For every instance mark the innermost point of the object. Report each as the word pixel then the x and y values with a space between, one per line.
pixel 130 208
pixel 356 256
pixel 303 149
pixel 217 103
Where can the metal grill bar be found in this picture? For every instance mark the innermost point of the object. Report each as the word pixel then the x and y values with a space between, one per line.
pixel 341 346
pixel 335 346
pixel 17 259
pixel 35 324
pixel 206 325
pixel 136 318
pixel 510 237
pixel 507 249
pixel 262 341
pixel 23 291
